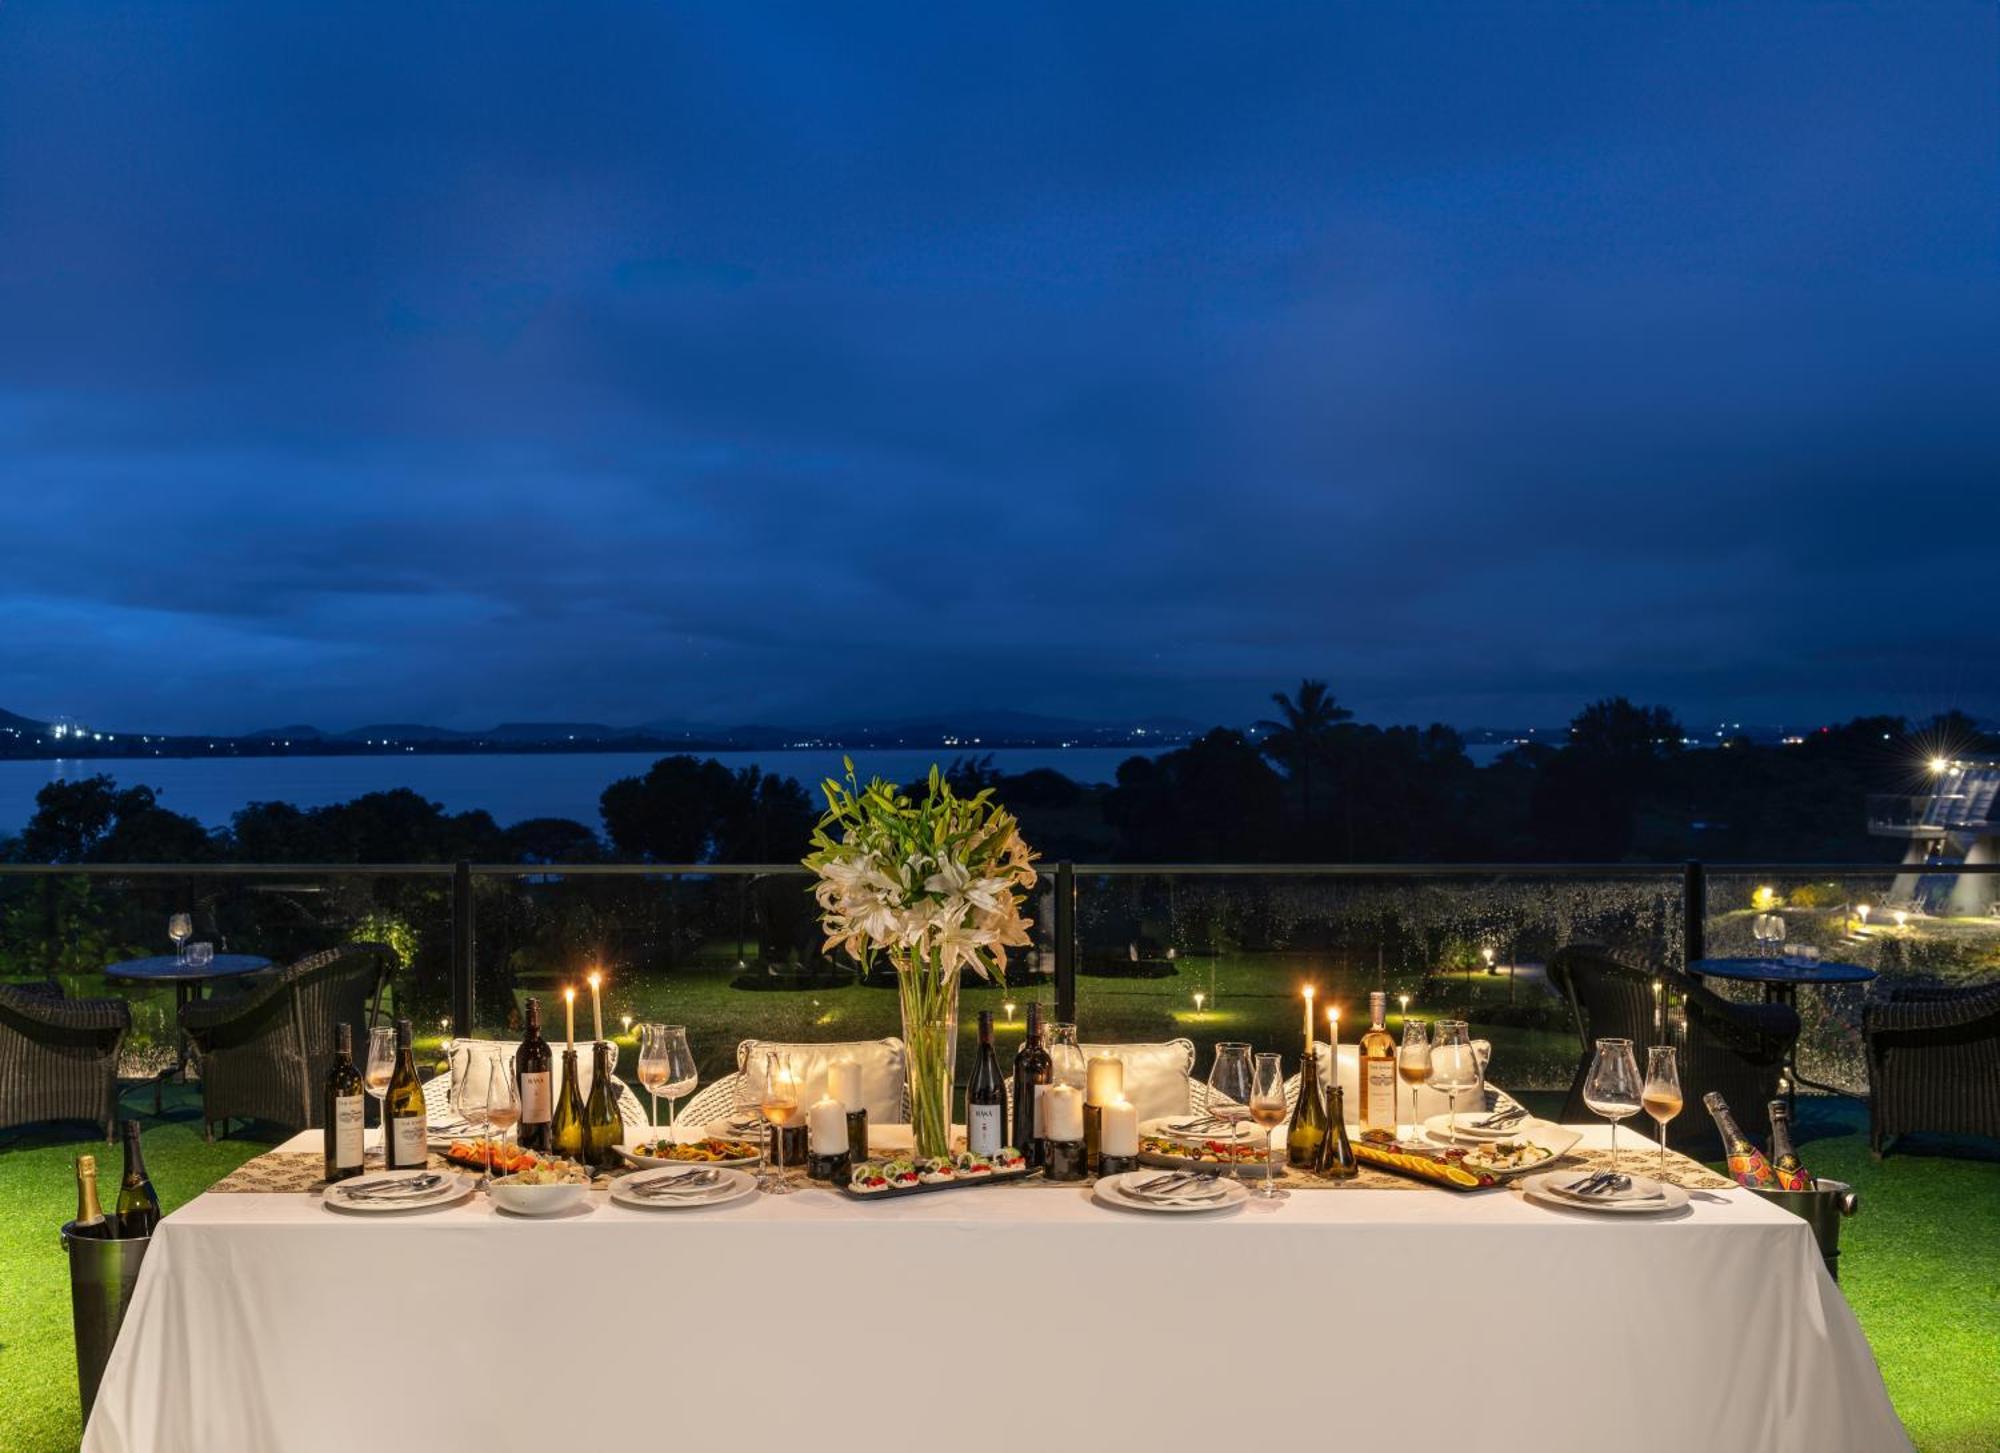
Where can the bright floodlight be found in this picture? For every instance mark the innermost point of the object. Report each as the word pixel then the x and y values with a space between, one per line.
pixel 1938 764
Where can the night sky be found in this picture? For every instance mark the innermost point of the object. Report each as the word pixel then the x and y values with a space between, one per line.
pixel 791 363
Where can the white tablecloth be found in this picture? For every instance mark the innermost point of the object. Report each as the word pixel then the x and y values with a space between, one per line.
pixel 981 1320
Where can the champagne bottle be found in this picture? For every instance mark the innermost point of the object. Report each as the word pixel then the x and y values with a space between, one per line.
pixel 1378 1073
pixel 137 1208
pixel 566 1124
pixel 1785 1163
pixel 90 1218
pixel 1033 1072
pixel 1336 1159
pixel 1746 1161
pixel 1308 1130
pixel 602 1129
pixel 986 1096
pixel 405 1124
pixel 345 1109
pixel 531 1065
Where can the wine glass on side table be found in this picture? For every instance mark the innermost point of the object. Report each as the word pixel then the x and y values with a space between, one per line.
pixel 780 1104
pixel 1413 1063
pixel 1612 1089
pixel 180 928
pixel 1230 1081
pixel 1268 1109
pixel 1662 1094
pixel 381 1064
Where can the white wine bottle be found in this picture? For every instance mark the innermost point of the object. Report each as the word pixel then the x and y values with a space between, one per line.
pixel 405 1126
pixel 1378 1074
pixel 602 1128
pixel 137 1210
pixel 344 1111
pixel 566 1124
pixel 90 1218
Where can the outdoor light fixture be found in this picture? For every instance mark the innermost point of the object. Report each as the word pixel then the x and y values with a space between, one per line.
pixel 1488 952
pixel 1861 911
pixel 1902 918
pixel 1938 764
pixel 1198 998
pixel 1009 1007
pixel 626 1020
pixel 1403 1004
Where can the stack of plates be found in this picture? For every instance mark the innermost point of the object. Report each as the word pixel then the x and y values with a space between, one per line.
pixel 1174 1195
pixel 1640 1196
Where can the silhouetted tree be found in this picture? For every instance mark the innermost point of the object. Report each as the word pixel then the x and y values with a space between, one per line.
pixel 1303 734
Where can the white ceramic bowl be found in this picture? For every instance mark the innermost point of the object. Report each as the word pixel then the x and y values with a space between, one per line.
pixel 510 1195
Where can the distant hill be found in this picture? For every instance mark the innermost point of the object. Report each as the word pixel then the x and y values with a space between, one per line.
pixel 397 731
pixel 297 732
pixel 9 721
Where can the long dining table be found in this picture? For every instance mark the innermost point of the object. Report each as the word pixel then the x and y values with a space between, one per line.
pixel 990 1318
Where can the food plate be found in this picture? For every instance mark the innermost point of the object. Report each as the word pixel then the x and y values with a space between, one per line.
pixel 1438 1128
pixel 1199 1129
pixel 1244 1157
pixel 1536 1149
pixel 892 1179
pixel 728 1185
pixel 1546 1189
pixel 709 1150
pixel 1111 1190
pixel 382 1193
pixel 1424 1163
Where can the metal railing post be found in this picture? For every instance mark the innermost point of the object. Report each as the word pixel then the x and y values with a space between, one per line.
pixel 1694 912
pixel 1065 943
pixel 461 949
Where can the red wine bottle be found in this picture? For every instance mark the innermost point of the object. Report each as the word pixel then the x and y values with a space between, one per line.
pixel 1034 1070
pixel 532 1065
pixel 344 1112
pixel 986 1096
pixel 1785 1163
pixel 1746 1161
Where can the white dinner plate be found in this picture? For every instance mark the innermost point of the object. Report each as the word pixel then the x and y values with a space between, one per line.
pixel 652 1161
pixel 1245 1132
pixel 1111 1191
pixel 1557 1140
pixel 1439 1129
pixel 730 1185
pixel 1546 1188
pixel 367 1194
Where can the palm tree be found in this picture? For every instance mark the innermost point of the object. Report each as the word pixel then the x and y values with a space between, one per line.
pixel 1304 732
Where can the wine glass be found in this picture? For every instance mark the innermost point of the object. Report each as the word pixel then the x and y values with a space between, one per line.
pixel 200 955
pixel 180 928
pixel 653 1063
pixel 1612 1089
pixel 1662 1093
pixel 1268 1109
pixel 1454 1066
pixel 381 1064
pixel 469 1082
pixel 1413 1062
pixel 1760 931
pixel 682 1073
pixel 1230 1081
pixel 780 1103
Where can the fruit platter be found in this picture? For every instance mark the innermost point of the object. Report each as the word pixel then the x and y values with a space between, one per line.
pixel 879 1180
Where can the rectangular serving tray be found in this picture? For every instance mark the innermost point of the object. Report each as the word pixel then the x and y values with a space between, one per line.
pixel 899 1192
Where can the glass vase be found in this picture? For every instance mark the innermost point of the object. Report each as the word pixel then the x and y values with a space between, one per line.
pixel 929 997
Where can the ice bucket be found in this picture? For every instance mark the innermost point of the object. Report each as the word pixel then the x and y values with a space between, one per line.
pixel 1822 1209
pixel 101 1274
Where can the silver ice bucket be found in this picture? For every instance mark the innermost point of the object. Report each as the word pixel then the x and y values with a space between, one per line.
pixel 101 1276
pixel 1823 1209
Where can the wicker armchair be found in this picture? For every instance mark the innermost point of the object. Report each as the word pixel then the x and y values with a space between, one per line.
pixel 1738 1049
pixel 1933 1062
pixel 265 1054
pixel 59 1056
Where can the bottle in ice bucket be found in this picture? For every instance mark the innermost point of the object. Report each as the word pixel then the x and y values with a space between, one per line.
pixel 1785 1163
pixel 1746 1161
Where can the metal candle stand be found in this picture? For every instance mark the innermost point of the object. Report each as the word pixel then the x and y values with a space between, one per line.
pixel 1116 1165
pixel 1067 1161
pixel 838 1169
pixel 857 1136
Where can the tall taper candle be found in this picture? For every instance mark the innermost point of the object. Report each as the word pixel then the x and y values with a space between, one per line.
pixel 569 1005
pixel 596 1006
pixel 1333 1033
pixel 1309 1021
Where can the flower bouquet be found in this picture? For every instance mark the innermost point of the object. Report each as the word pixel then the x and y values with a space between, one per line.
pixel 936 885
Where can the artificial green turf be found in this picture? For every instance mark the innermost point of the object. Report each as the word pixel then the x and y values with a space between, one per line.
pixel 1920 1266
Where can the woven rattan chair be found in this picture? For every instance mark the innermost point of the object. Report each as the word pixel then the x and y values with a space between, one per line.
pixel 1933 1061
pixel 1737 1049
pixel 59 1056
pixel 265 1054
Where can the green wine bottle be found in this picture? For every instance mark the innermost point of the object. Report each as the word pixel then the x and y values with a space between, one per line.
pixel 1336 1154
pixel 566 1127
pixel 137 1209
pixel 405 1125
pixel 1308 1119
pixel 602 1129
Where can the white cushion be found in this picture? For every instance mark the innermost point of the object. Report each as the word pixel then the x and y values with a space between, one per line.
pixel 1429 1102
pixel 881 1062
pixel 1156 1075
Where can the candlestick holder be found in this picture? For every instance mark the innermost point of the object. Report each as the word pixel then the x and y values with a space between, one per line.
pixel 836 1169
pixel 1093 1135
pixel 1116 1165
pixel 857 1135
pixel 1067 1161
pixel 792 1140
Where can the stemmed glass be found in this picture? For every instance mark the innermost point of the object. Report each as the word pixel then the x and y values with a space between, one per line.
pixel 200 955
pixel 1454 1067
pixel 1662 1093
pixel 1268 1109
pixel 180 928
pixel 381 1065
pixel 1230 1081
pixel 1413 1062
pixel 653 1064
pixel 469 1088
pixel 1612 1088
pixel 780 1103
pixel 682 1073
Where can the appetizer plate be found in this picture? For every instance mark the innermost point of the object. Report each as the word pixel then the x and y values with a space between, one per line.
pixel 1111 1190
pixel 1438 1128
pixel 1169 1160
pixel 389 1191
pixel 1547 1188
pixel 1169 1127
pixel 729 1185
pixel 1533 1149
pixel 957 1182
pixel 639 1158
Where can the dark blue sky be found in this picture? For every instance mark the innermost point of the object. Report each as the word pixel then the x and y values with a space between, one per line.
pixel 773 362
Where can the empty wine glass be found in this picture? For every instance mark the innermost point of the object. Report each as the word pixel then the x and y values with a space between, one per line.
pixel 780 1104
pixel 1230 1080
pixel 180 928
pixel 682 1073
pixel 1413 1062
pixel 470 1077
pixel 381 1064
pixel 1661 1095
pixel 200 955
pixel 1268 1109
pixel 653 1063
pixel 1454 1067
pixel 1612 1088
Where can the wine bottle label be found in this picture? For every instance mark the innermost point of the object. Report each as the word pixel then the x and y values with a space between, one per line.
pixel 408 1140
pixel 983 1133
pixel 1378 1094
pixel 535 1098
pixel 347 1122
pixel 1041 1114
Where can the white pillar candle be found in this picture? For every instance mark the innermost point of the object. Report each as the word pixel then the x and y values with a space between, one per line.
pixel 1106 1080
pixel 1120 1135
pixel 1062 1107
pixel 843 1082
pixel 826 1126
